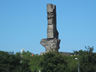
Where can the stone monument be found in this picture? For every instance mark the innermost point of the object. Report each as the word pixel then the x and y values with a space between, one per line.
pixel 51 43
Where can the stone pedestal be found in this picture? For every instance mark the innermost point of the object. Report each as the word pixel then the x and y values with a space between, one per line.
pixel 51 44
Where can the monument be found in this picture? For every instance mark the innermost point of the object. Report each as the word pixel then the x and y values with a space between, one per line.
pixel 51 43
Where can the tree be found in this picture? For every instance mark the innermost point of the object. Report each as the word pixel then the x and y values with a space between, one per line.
pixel 87 60
pixel 53 62
pixel 35 63
pixel 8 62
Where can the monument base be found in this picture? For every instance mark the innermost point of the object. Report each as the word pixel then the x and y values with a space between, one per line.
pixel 51 44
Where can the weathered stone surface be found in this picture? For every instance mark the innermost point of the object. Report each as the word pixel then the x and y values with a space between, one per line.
pixel 51 15
pixel 51 43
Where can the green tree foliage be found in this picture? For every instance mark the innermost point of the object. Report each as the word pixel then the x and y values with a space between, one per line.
pixel 8 62
pixel 35 63
pixel 53 62
pixel 13 62
pixel 24 61
pixel 72 63
pixel 87 60
pixel 49 62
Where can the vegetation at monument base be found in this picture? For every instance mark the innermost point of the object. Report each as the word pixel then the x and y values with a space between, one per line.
pixel 49 62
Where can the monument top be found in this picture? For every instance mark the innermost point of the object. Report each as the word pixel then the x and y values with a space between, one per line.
pixel 50 7
pixel 51 15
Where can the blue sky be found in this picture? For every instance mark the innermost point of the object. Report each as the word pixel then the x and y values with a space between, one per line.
pixel 23 23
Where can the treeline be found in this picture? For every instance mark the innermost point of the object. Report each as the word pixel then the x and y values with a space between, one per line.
pixel 79 61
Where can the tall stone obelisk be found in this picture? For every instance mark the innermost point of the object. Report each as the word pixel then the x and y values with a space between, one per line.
pixel 51 43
